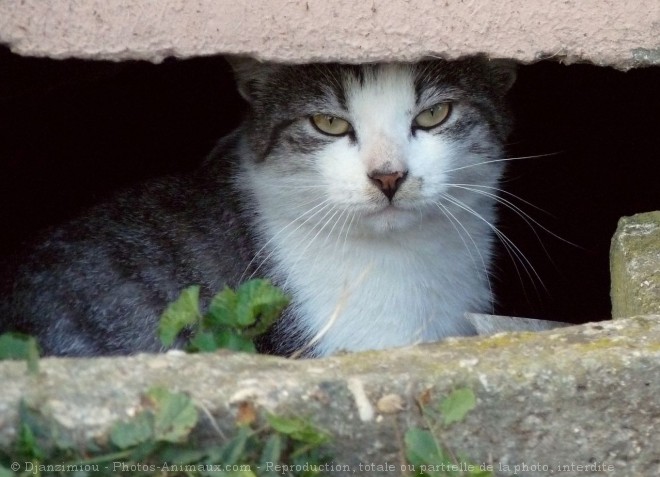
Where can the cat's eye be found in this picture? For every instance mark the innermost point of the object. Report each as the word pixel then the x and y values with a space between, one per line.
pixel 432 117
pixel 331 125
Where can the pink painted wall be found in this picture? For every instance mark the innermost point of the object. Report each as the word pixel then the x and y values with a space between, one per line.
pixel 607 32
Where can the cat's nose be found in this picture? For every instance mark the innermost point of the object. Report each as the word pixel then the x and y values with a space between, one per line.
pixel 388 182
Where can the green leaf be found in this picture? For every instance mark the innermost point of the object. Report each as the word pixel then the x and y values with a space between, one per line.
pixel 32 356
pixel 284 425
pixel 423 449
pixel 181 454
pixel 131 433
pixel 298 429
pixel 455 406
pixel 231 340
pixel 272 452
pixel 174 415
pixel 20 346
pixel 259 299
pixel 42 433
pixel 222 309
pixel 13 346
pixel 179 314
pixel 204 342
pixel 33 433
pixel 233 319
pixel 235 448
pixel 27 443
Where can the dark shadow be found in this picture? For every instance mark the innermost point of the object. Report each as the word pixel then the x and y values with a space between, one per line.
pixel 71 132
pixel 601 128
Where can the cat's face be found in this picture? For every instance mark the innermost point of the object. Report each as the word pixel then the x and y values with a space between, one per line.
pixel 375 148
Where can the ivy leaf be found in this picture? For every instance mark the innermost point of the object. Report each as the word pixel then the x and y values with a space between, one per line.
pixel 13 346
pixel 298 429
pixel 182 455
pixel 133 432
pixel 174 415
pixel 284 425
pixel 272 452
pixel 259 299
pixel 455 406
pixel 27 442
pixel 235 448
pixel 203 341
pixel 229 339
pixel 170 418
pixel 179 314
pixel 222 310
pixel 233 320
pixel 423 449
pixel 20 346
pixel 35 433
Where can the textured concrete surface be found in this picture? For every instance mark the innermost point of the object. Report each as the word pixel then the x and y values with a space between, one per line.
pixel 570 396
pixel 635 266
pixel 605 32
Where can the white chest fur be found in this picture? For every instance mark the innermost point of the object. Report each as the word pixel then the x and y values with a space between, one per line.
pixel 371 293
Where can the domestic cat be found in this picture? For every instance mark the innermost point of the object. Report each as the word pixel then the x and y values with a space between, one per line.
pixel 366 191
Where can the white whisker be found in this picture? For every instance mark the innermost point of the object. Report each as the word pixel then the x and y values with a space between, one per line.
pixel 348 229
pixel 499 190
pixel 323 204
pixel 335 222
pixel 528 219
pixel 509 245
pixel 301 254
pixel 454 221
pixel 491 161
pixel 341 230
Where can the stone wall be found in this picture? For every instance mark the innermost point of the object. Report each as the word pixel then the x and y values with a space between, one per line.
pixel 574 396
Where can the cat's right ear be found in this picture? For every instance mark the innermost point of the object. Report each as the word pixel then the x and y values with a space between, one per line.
pixel 249 74
pixel 503 73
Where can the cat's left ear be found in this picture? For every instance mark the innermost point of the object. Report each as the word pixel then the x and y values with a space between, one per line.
pixel 250 74
pixel 502 73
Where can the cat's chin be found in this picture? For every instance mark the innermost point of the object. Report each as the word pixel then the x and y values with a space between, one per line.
pixel 389 219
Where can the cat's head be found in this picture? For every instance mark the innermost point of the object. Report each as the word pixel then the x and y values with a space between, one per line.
pixel 381 145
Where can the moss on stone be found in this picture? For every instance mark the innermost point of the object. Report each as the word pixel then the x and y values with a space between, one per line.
pixel 635 266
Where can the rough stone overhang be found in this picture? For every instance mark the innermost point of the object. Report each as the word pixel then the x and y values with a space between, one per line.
pixel 604 32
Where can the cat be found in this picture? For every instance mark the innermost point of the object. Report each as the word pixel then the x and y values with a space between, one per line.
pixel 367 192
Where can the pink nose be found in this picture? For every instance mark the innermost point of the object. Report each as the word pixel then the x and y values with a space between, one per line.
pixel 388 182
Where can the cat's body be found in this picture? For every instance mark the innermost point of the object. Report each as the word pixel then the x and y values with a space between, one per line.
pixel 98 284
pixel 367 192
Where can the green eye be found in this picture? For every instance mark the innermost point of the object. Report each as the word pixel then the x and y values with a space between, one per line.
pixel 432 117
pixel 331 125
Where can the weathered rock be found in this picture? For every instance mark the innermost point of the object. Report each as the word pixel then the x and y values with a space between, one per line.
pixel 585 395
pixel 603 32
pixel 635 266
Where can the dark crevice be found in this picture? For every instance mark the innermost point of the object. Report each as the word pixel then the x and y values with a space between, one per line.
pixel 73 131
